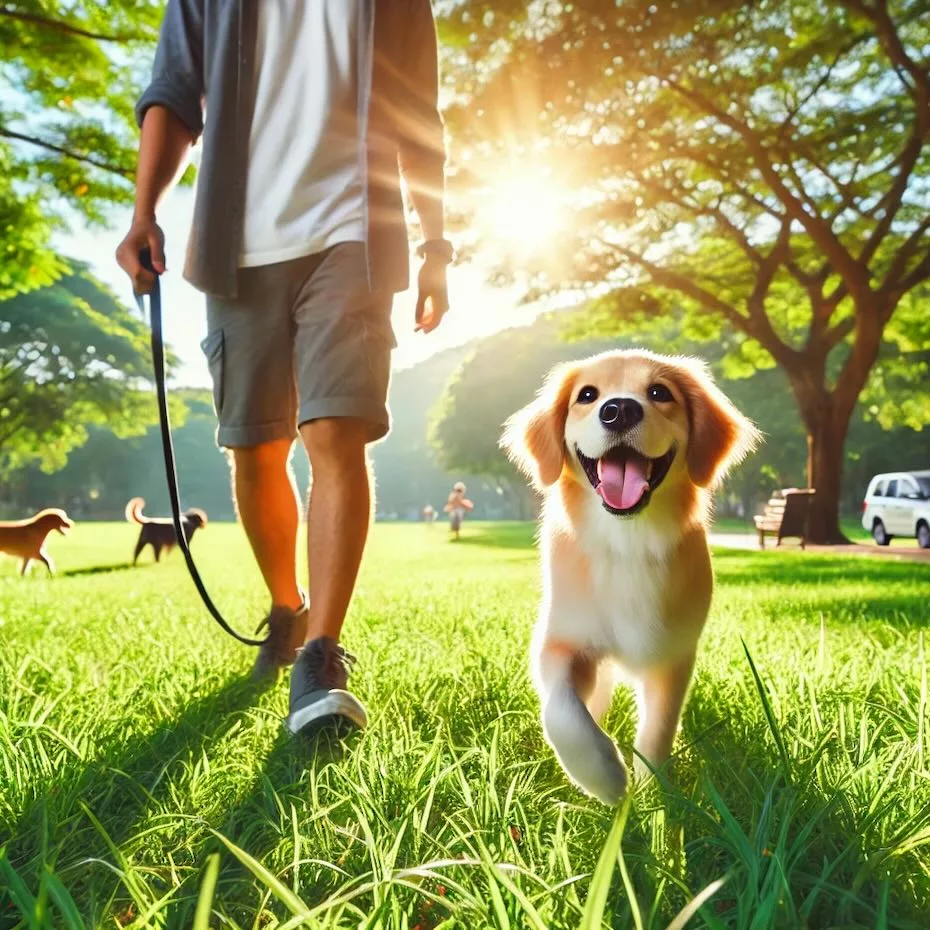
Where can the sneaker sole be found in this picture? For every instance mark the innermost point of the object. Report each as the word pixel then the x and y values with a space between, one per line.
pixel 335 704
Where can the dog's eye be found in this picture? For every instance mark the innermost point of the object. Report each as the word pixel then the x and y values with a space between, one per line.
pixel 587 395
pixel 659 393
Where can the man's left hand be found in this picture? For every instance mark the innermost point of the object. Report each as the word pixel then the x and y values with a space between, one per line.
pixel 432 294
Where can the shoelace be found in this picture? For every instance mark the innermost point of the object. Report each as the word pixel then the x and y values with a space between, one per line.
pixel 325 662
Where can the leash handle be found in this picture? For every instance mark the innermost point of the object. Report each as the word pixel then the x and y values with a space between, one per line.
pixel 171 474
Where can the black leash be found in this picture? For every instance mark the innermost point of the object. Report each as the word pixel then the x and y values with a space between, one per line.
pixel 158 362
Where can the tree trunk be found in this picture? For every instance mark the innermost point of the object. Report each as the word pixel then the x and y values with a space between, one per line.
pixel 825 454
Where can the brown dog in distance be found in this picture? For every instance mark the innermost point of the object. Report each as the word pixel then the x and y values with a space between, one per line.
pixel 158 532
pixel 25 539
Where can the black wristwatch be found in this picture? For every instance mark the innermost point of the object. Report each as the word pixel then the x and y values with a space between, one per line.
pixel 442 248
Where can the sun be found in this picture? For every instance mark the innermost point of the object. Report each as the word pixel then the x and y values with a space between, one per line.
pixel 526 212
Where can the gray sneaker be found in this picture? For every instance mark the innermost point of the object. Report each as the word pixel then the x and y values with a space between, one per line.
pixel 318 689
pixel 287 630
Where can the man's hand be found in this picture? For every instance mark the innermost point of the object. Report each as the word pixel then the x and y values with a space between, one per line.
pixel 432 294
pixel 144 233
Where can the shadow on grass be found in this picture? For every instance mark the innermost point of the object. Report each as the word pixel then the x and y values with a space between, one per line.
pixel 116 786
pixel 814 569
pixel 104 569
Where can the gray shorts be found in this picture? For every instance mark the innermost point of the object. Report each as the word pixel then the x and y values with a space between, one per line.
pixel 304 340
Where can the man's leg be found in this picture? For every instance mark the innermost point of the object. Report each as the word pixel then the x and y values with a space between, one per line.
pixel 342 361
pixel 266 499
pixel 339 517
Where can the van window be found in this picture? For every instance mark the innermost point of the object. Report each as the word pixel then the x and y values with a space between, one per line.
pixel 879 489
pixel 892 488
pixel 907 488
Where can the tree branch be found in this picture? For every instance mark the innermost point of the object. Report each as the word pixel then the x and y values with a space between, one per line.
pixel 58 25
pixel 838 333
pixel 820 231
pixel 67 153
pixel 919 274
pixel 894 48
pixel 673 280
pixel 907 251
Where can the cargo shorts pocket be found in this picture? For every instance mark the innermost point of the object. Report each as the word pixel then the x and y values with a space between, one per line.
pixel 214 348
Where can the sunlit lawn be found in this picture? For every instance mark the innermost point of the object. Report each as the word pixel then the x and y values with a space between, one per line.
pixel 135 758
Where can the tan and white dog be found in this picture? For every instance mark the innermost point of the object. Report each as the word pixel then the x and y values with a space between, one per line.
pixel 625 446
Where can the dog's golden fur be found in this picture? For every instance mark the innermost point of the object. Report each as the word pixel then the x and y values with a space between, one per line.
pixel 626 591
pixel 25 539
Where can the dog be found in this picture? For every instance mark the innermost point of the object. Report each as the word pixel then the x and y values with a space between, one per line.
pixel 25 539
pixel 159 532
pixel 625 446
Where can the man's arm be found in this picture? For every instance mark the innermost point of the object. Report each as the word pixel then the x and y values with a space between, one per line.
pixel 421 133
pixel 170 113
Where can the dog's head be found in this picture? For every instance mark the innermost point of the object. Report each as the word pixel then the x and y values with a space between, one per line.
pixel 57 520
pixel 629 424
pixel 196 517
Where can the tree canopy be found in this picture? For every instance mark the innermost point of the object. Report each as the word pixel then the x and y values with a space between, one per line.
pixel 70 75
pixel 758 172
pixel 71 355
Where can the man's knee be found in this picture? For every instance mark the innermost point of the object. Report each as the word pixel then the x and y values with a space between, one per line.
pixel 255 461
pixel 336 440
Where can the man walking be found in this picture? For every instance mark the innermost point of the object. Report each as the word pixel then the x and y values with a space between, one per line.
pixel 305 108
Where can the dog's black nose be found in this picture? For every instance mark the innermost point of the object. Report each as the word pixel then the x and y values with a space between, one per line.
pixel 621 413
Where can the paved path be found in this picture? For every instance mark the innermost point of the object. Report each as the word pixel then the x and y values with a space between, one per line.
pixel 751 541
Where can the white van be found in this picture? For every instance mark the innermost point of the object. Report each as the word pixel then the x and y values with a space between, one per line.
pixel 898 504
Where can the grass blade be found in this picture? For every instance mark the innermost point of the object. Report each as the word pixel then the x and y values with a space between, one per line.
pixel 769 713
pixel 599 888
pixel 271 882
pixel 207 890
pixel 696 903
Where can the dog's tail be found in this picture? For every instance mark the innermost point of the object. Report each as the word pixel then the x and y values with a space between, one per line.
pixel 588 755
pixel 134 511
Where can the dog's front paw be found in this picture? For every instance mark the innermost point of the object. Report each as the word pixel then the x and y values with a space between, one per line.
pixel 602 774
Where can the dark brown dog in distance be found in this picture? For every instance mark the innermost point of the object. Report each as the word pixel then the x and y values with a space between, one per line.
pixel 158 532
pixel 25 539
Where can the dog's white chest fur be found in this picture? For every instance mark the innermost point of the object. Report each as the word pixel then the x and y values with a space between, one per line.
pixel 614 600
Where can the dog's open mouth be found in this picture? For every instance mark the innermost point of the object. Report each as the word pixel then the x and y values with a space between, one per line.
pixel 624 479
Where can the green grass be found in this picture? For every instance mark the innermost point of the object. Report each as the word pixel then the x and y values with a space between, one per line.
pixel 144 783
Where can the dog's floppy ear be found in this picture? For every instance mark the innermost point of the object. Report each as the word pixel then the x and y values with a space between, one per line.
pixel 719 436
pixel 534 437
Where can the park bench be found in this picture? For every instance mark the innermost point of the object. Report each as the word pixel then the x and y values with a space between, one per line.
pixel 785 515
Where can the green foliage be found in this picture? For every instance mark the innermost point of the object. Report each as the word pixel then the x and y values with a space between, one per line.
pixel 71 355
pixel 503 372
pixel 146 781
pixel 70 74
pixel 500 375
pixel 755 169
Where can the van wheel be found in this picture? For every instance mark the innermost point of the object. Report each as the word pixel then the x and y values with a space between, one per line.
pixel 879 534
pixel 923 536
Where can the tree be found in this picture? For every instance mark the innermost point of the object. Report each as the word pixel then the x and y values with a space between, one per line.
pixel 71 355
pixel 760 168
pixel 70 75
pixel 499 376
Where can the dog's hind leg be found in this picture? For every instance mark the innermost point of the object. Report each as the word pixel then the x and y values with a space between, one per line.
pixel 588 755
pixel 140 545
pixel 25 567
pixel 660 696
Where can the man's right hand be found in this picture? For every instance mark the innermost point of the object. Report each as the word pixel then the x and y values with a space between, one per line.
pixel 144 233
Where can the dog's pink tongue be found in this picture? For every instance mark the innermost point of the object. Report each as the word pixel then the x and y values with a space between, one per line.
pixel 622 483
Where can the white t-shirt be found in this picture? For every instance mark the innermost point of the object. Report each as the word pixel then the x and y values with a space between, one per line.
pixel 304 191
